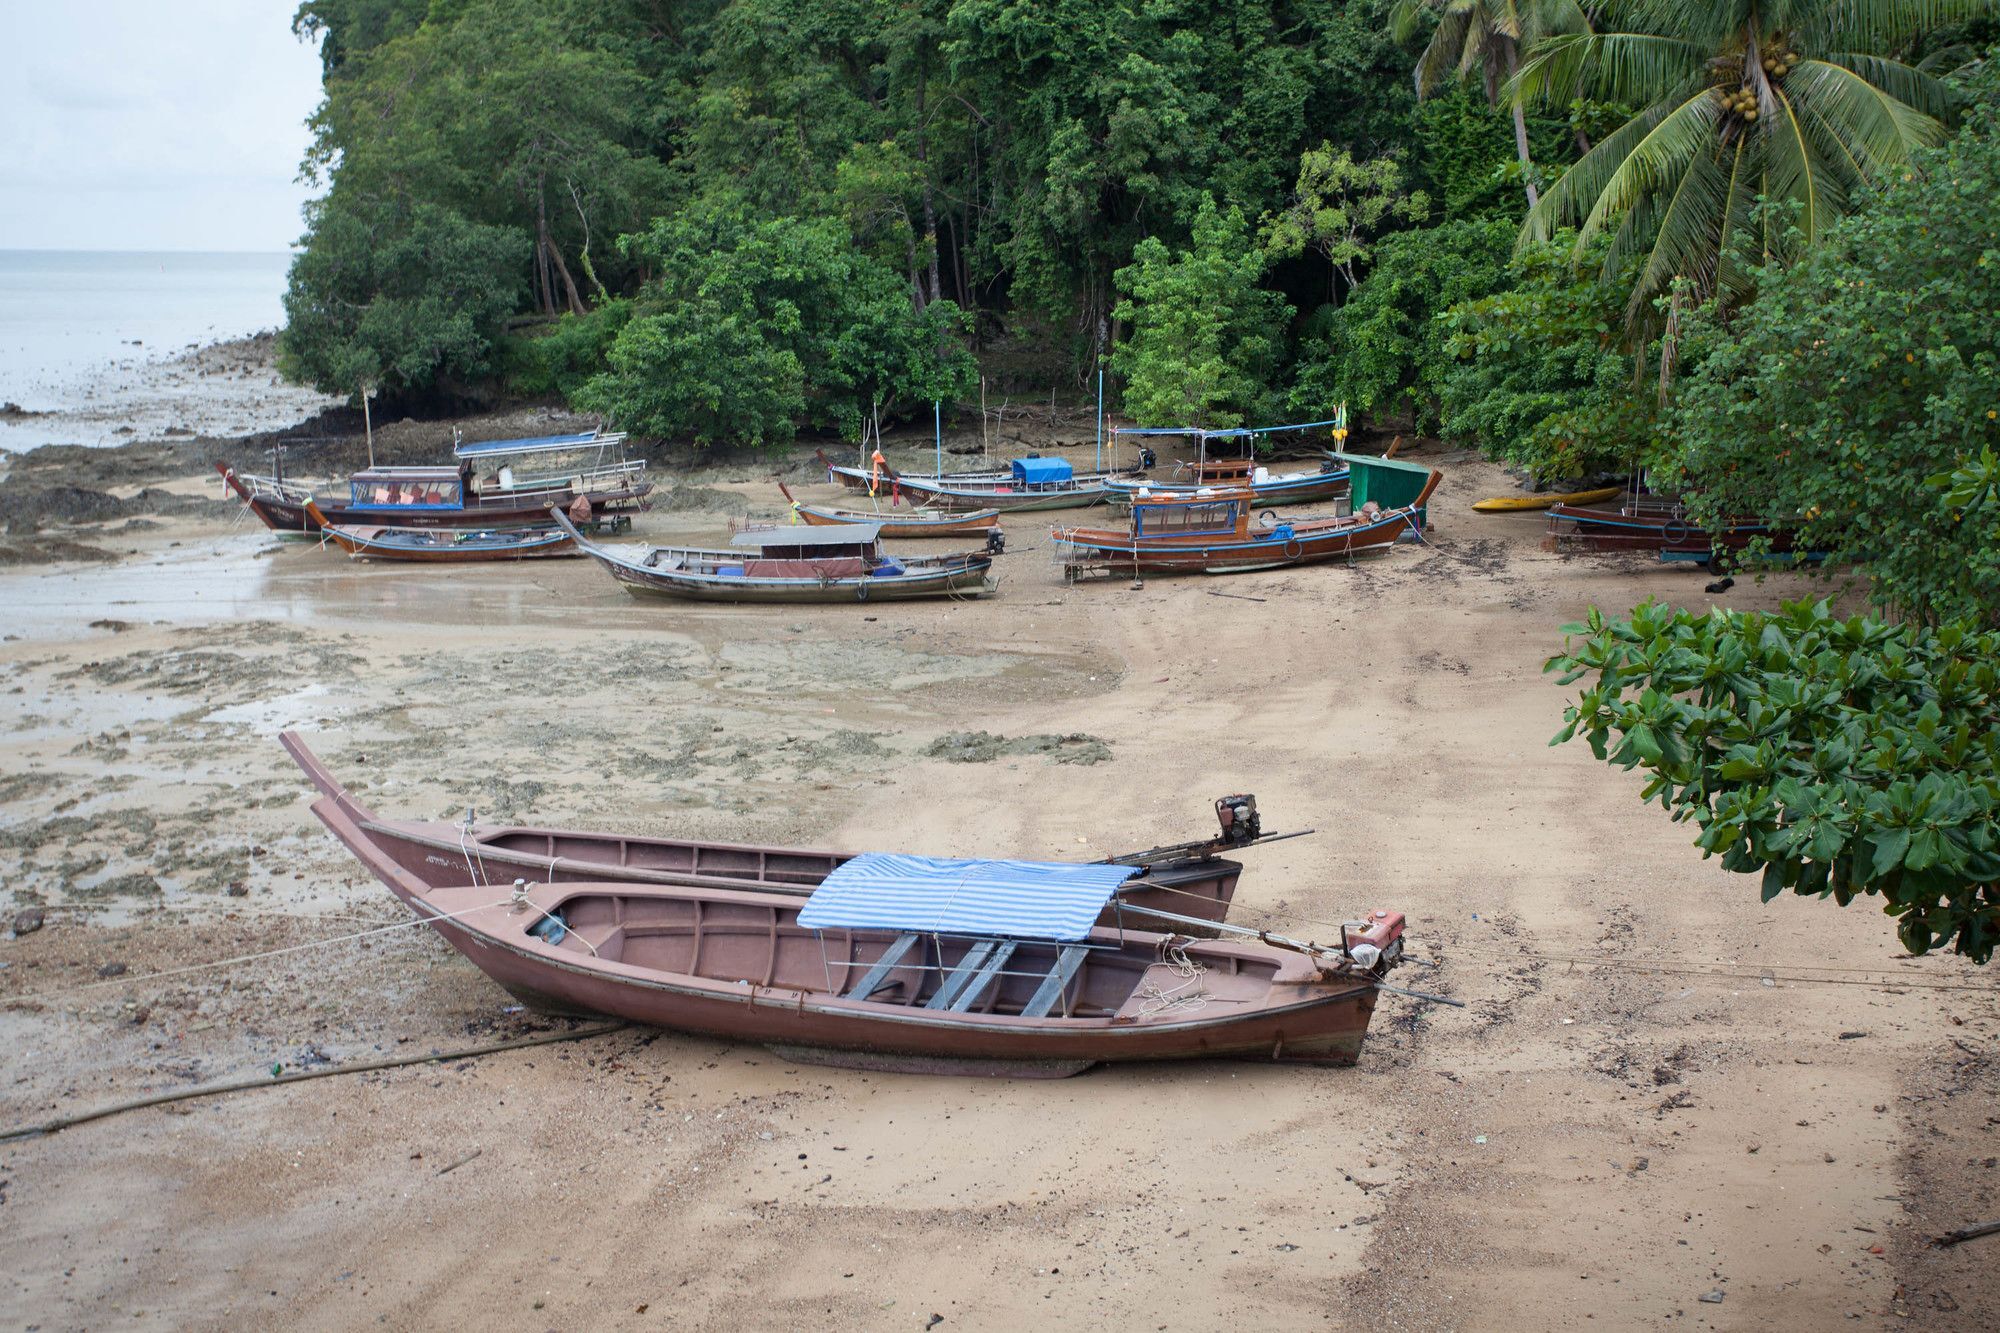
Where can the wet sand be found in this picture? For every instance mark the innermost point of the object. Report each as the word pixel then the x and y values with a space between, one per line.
pixel 1660 1089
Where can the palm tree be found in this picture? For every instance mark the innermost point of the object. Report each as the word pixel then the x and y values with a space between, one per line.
pixel 1487 36
pixel 1797 102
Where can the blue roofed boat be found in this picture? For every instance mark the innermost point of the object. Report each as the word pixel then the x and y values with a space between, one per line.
pixel 1030 483
pixel 909 964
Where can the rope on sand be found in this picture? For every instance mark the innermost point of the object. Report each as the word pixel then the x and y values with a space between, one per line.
pixel 242 1085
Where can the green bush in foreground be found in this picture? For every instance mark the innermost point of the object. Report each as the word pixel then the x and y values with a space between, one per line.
pixel 1835 757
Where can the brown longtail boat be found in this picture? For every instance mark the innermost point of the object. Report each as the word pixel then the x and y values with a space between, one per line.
pixel 901 964
pixel 443 545
pixel 446 497
pixel 1212 530
pixel 916 523
pixel 1192 879
pixel 1661 524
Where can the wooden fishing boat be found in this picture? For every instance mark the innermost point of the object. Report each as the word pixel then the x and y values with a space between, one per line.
pixel 1228 459
pixel 1193 879
pixel 1511 504
pixel 1654 523
pixel 906 964
pixel 1215 533
pixel 799 564
pixel 1031 483
pixel 443 545
pixel 438 497
pixel 915 523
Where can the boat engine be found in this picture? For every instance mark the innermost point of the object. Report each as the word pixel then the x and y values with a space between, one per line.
pixel 1147 458
pixel 1238 817
pixel 996 542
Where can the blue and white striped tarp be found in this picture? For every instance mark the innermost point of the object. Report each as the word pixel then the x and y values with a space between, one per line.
pixel 1037 900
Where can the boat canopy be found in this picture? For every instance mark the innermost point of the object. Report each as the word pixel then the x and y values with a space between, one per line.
pixel 406 488
pixel 1039 900
pixel 540 444
pixel 1039 471
pixel 847 534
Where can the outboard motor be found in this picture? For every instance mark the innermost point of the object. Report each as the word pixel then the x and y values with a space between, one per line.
pixel 1238 817
pixel 1147 458
pixel 996 542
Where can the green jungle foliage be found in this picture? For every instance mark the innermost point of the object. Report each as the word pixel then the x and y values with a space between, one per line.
pixel 1205 337
pixel 1832 757
pixel 1860 374
pixel 754 326
pixel 1006 161
pixel 1540 376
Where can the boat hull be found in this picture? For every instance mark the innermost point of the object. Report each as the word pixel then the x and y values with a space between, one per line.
pixel 733 963
pixel 1661 529
pixel 976 523
pixel 512 510
pixel 1110 552
pixel 437 854
pixel 1512 504
pixel 964 575
pixel 1307 489
pixel 518 544
pixel 1301 1017
pixel 965 491
pixel 445 854
pixel 967 580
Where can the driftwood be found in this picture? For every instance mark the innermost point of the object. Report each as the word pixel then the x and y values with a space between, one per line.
pixel 1950 1238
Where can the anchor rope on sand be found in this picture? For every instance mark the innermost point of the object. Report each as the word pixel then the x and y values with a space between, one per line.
pixel 250 957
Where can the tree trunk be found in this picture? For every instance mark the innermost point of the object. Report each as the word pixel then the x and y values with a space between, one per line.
pixel 1509 47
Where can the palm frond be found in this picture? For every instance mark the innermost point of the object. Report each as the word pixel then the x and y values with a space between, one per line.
pixel 1438 65
pixel 1615 66
pixel 1794 170
pixel 1732 277
pixel 1924 91
pixel 1653 163
pixel 1877 130
pixel 1689 233
pixel 1886 25
pixel 1570 198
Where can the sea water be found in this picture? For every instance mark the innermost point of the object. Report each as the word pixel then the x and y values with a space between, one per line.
pixel 69 318
pixel 94 346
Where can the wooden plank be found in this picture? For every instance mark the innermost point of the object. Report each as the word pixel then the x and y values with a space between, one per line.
pixel 957 979
pixel 987 972
pixel 871 980
pixel 1060 975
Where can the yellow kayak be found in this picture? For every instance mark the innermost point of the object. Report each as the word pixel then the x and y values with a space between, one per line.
pixel 1508 503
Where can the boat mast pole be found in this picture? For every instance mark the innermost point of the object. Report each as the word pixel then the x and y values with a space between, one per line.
pixel 1100 417
pixel 937 426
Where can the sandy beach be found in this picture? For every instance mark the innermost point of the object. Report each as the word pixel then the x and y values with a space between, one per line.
pixel 1664 1105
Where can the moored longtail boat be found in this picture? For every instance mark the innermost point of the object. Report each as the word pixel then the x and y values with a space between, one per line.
pixel 790 565
pixel 1237 466
pixel 1654 523
pixel 1193 879
pixel 908 964
pixel 1031 483
pixel 443 545
pixel 432 497
pixel 913 523
pixel 1214 532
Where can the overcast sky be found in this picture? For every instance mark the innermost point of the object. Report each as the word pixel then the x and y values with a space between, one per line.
pixel 152 124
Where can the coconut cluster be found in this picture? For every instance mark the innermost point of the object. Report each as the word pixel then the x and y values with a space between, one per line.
pixel 1779 62
pixel 1738 102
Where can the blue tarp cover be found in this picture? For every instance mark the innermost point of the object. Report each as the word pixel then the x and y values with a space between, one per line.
pixel 1039 900
pixel 1040 471
pixel 540 444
